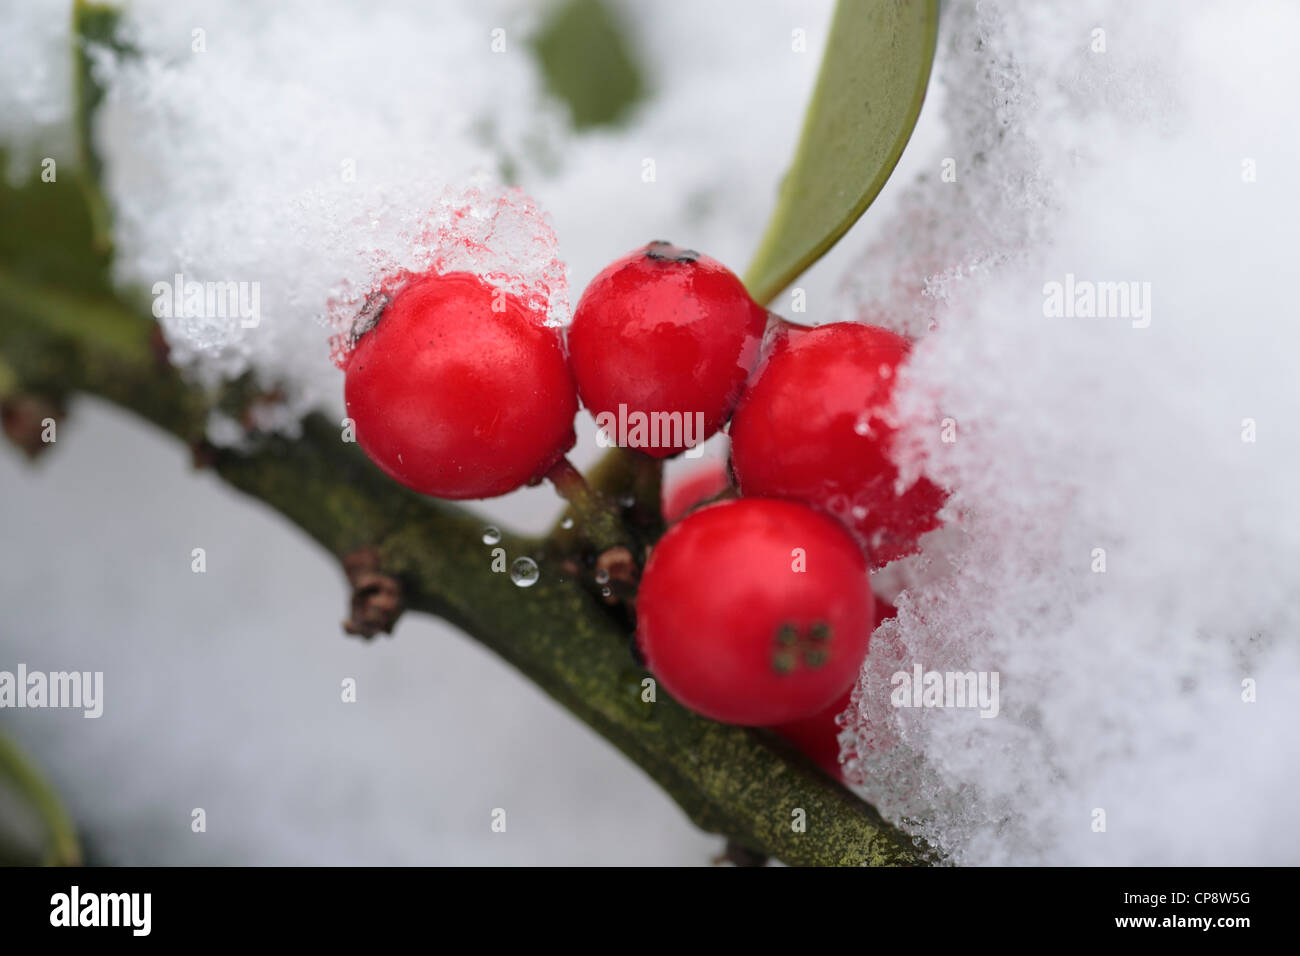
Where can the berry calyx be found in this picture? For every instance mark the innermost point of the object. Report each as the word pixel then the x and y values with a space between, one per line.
pixel 814 425
pixel 817 737
pixel 755 611
pixel 459 390
pixel 683 494
pixel 661 344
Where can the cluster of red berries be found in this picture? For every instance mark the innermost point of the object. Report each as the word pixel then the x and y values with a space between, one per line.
pixel 753 611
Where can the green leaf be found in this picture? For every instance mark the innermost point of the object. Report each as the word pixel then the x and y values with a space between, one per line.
pixel 93 24
pixel 57 231
pixel 49 235
pixel 869 93
pixel 588 62
pixel 34 827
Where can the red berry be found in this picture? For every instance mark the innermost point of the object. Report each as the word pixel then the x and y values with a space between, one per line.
pixel 817 737
pixel 457 399
pixel 700 485
pixel 664 332
pixel 732 627
pixel 813 425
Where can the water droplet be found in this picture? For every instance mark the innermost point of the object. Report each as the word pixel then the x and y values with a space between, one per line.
pixel 524 572
pixel 602 576
pixel 885 371
pixel 605 592
pixel 859 512
pixel 567 522
pixel 491 535
pixel 863 425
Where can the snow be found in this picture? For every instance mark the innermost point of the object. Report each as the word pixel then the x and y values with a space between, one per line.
pixel 317 182
pixel 35 85
pixel 342 161
pixel 1120 690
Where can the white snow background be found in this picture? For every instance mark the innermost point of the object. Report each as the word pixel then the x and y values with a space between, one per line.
pixel 1120 691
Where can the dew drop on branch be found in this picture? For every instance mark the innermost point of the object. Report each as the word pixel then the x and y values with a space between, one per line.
pixel 524 572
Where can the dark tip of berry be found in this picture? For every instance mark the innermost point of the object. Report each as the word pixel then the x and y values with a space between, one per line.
pixel 795 646
pixel 664 251
pixel 370 313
